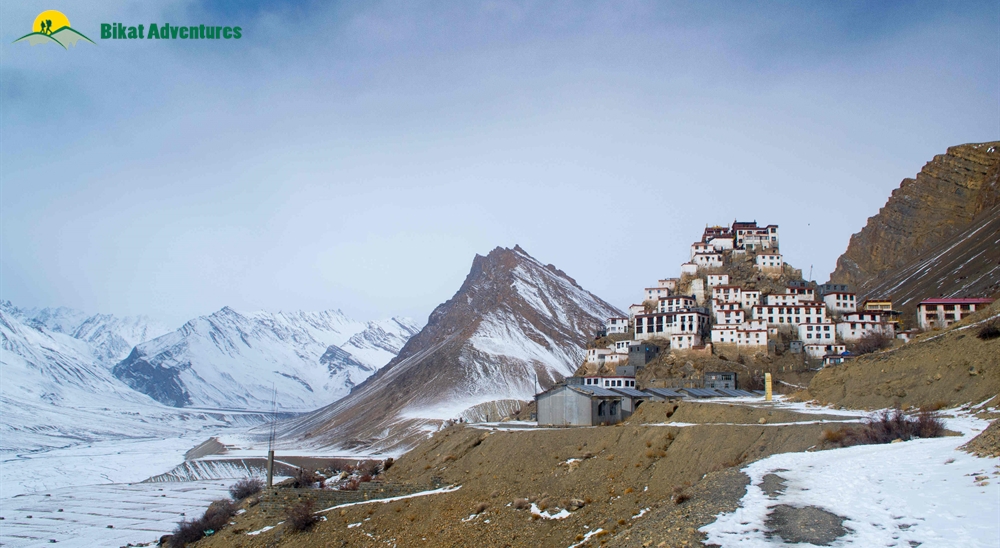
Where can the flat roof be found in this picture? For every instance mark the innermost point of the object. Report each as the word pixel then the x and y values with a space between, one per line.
pixel 977 300
pixel 630 392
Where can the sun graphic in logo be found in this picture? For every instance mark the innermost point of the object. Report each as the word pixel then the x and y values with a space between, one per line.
pixel 53 26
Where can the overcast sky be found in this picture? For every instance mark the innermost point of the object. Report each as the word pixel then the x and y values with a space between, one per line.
pixel 358 155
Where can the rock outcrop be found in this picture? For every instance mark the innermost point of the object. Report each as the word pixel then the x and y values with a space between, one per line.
pixel 948 194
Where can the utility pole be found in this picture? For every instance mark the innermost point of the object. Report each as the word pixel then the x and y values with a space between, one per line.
pixel 270 439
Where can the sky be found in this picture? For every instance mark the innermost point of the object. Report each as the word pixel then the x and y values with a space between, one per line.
pixel 357 155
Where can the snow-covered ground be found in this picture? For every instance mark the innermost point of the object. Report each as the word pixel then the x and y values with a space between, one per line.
pixel 922 492
pixel 105 515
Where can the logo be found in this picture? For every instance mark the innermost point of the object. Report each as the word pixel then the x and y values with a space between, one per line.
pixel 53 26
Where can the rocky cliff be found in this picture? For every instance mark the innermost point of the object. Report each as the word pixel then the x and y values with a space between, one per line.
pixel 950 193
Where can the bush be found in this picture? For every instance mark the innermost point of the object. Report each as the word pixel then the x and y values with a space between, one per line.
pixel 886 427
pixel 480 508
pixel 351 485
pixel 245 488
pixel 300 517
pixel 307 478
pixel 218 514
pixel 989 331
pixel 873 341
pixel 215 518
pixel 521 504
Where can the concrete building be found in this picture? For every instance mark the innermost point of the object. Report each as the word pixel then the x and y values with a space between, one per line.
pixel 698 248
pixel 675 303
pixel 664 324
pixel 727 293
pixel 655 293
pixel 825 289
pixel 723 379
pixel 941 313
pixel 770 264
pixel 854 326
pixel 804 292
pixel 616 325
pixel 578 405
pixel 707 260
pixel 751 298
pixel 817 351
pixel 749 236
pixel 825 332
pixel 689 268
pixel 631 400
pixel 685 341
pixel 840 301
pixel 669 283
pixel 641 353
pixel 718 279
pixel 790 315
pixel 782 299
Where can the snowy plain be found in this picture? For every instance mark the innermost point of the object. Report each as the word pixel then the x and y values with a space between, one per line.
pixel 921 492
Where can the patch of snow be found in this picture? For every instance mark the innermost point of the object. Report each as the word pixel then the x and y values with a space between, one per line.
pixel 264 529
pixel 449 489
pixel 891 494
pixel 561 514
pixel 586 537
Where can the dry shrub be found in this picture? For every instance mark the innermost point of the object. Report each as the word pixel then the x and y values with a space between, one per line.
pixel 989 331
pixel 649 443
pixel 300 517
pixel 873 341
pixel 480 508
pixel 216 517
pixel 830 435
pixel 245 488
pixel 888 426
pixel 388 464
pixel 307 478
pixel 628 490
pixel 351 485
pixel 365 478
pixel 680 494
pixel 449 457
pixel 521 504
pixel 935 406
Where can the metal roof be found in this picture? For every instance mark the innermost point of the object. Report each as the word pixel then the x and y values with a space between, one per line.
pixel 702 392
pixel 665 392
pixel 596 391
pixel 630 392
pixel 733 393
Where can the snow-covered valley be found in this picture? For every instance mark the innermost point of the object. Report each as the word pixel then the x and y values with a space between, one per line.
pixel 77 438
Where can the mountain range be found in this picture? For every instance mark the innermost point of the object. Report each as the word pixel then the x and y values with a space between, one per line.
pixel 234 360
pixel 69 377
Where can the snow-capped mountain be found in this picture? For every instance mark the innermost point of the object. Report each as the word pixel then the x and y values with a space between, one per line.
pixel 109 337
pixel 514 322
pixel 53 393
pixel 231 360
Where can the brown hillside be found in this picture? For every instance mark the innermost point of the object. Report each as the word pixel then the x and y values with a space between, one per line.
pixel 951 193
pixel 949 368
pixel 621 471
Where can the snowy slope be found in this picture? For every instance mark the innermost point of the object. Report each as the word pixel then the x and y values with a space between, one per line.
pixel 54 394
pixel 917 493
pixel 109 337
pixel 514 322
pixel 230 360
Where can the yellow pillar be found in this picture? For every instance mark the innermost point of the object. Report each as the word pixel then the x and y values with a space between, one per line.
pixel 767 386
